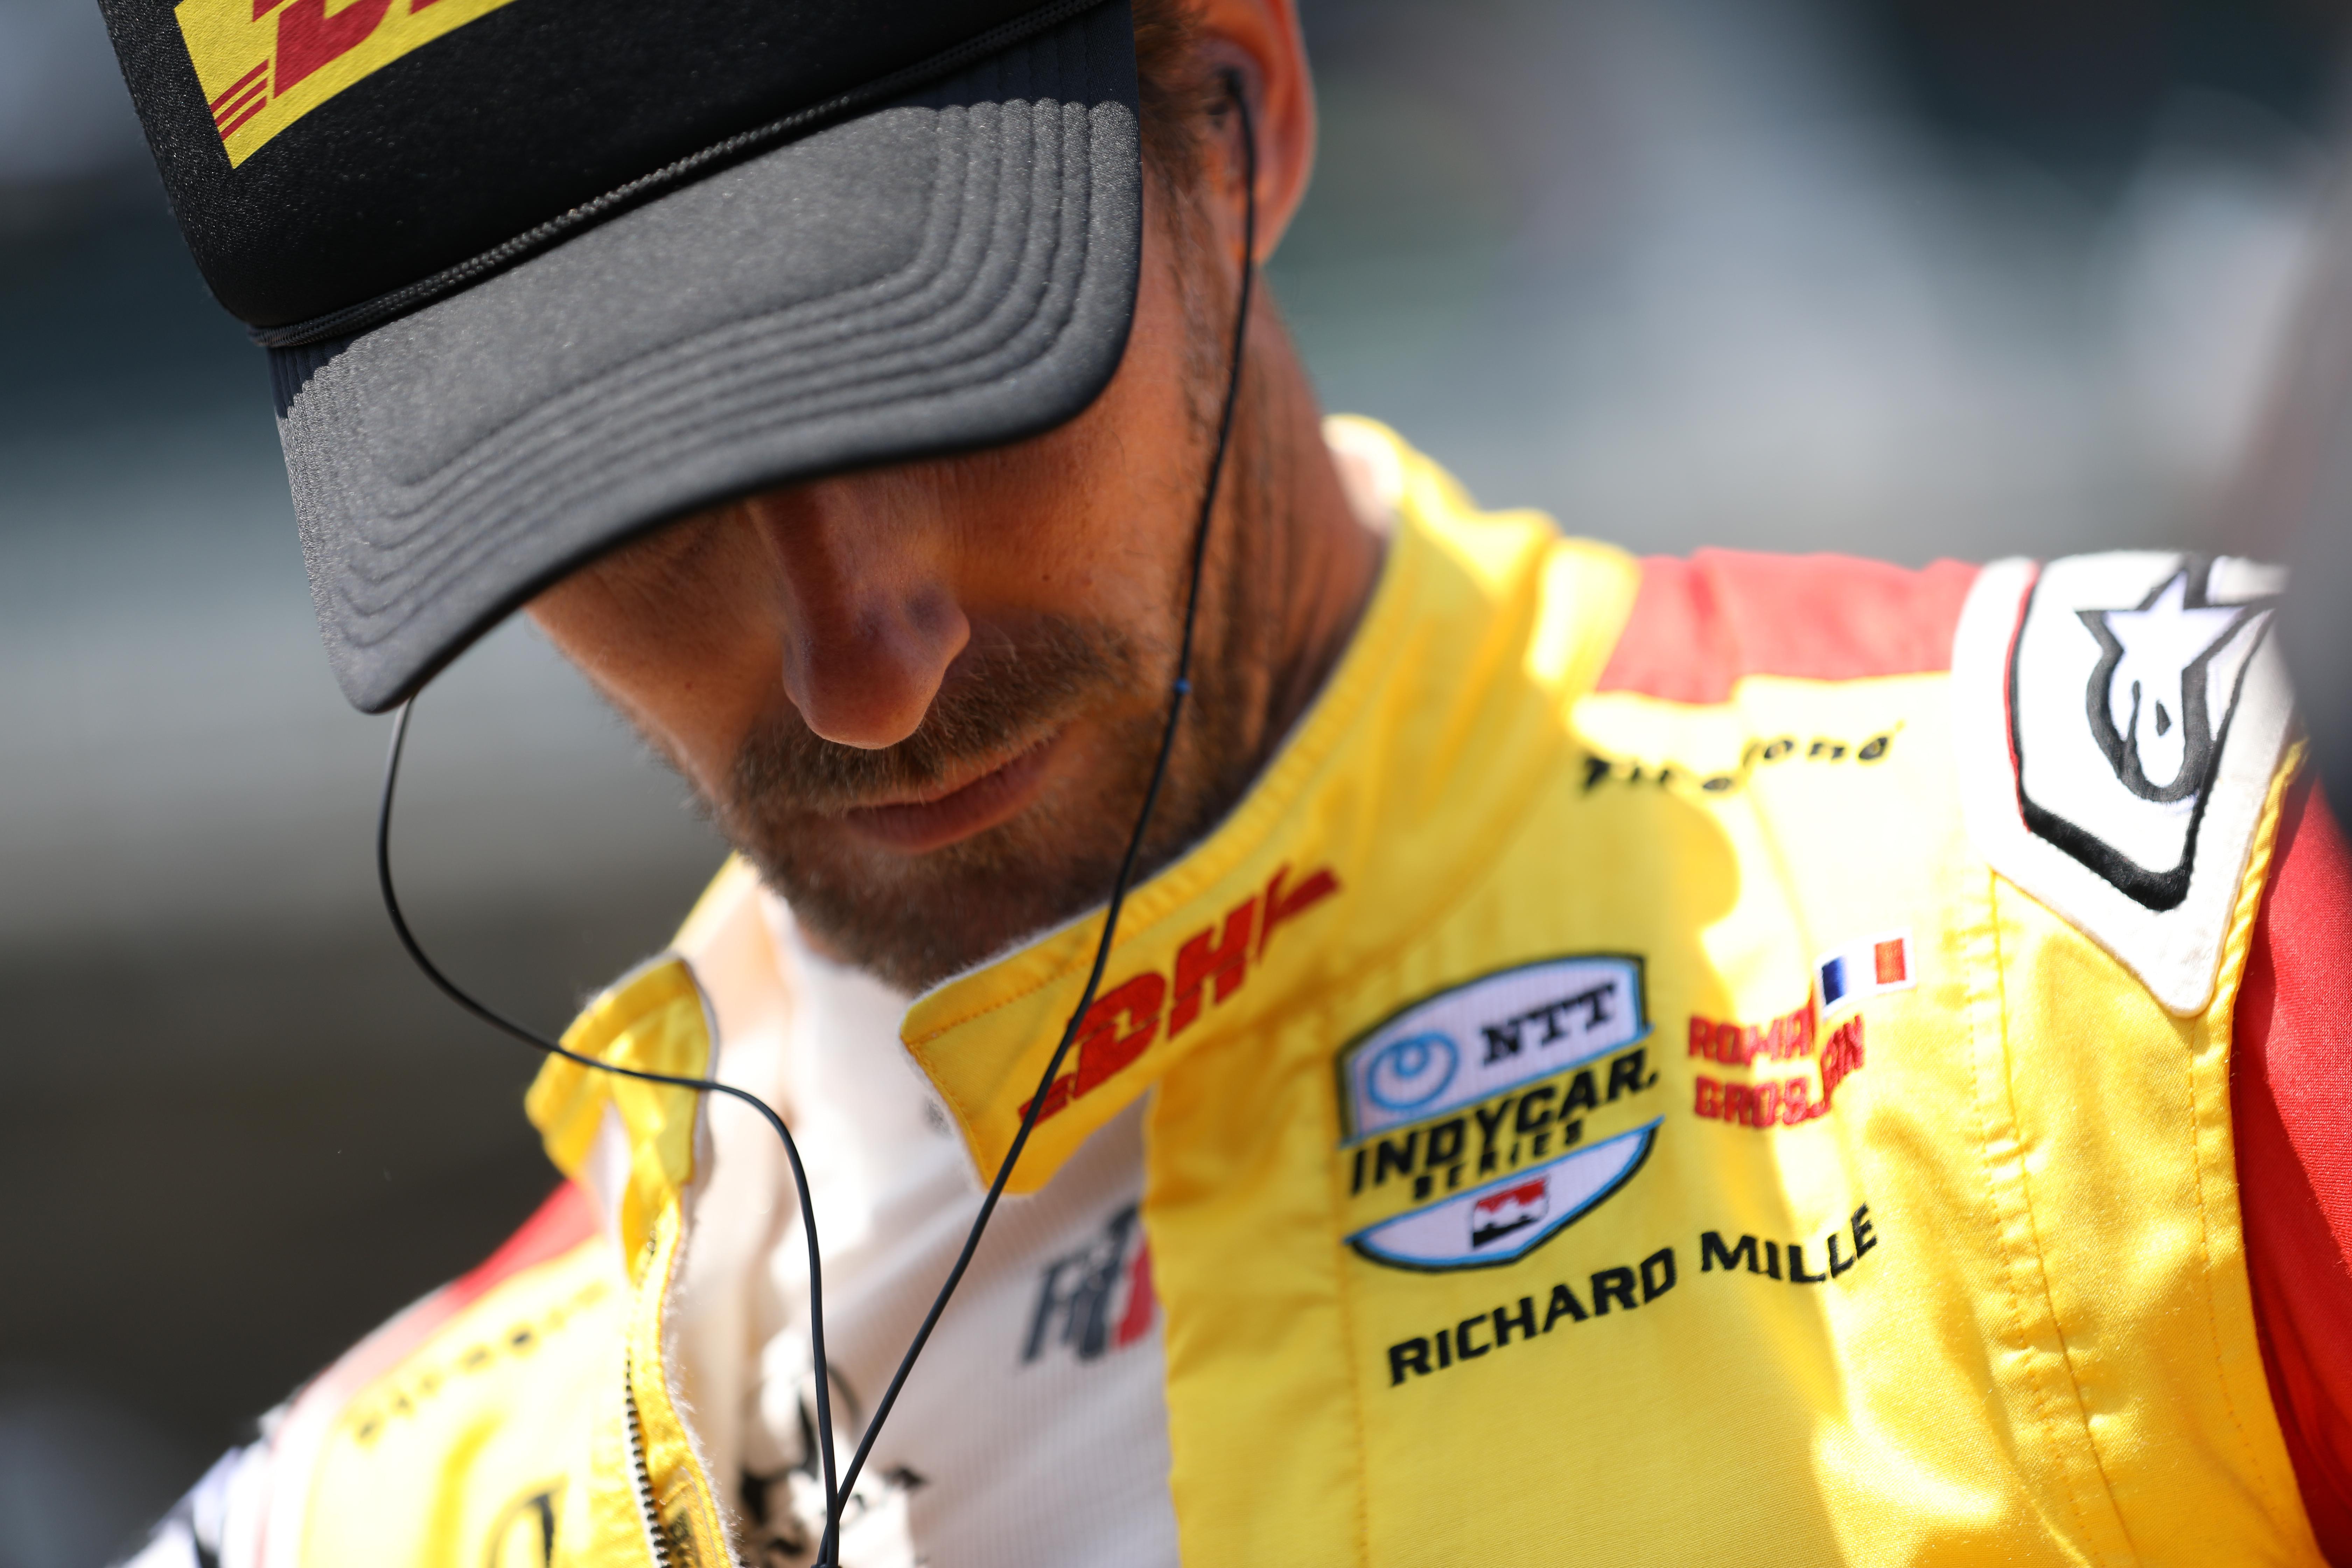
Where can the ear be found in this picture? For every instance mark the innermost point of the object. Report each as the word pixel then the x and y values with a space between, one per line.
pixel 1260 41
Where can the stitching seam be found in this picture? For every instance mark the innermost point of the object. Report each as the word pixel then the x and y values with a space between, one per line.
pixel 2236 946
pixel 2036 1377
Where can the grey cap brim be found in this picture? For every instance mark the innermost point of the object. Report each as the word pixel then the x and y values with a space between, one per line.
pixel 956 269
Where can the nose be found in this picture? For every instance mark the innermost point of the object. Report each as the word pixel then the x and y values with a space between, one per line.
pixel 871 619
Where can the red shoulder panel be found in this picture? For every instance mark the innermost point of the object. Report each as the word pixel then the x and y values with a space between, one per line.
pixel 2291 1109
pixel 1698 625
pixel 566 1219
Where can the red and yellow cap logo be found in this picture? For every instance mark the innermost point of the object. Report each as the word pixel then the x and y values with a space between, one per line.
pixel 265 64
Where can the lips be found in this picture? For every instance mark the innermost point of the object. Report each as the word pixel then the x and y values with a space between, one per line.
pixel 917 827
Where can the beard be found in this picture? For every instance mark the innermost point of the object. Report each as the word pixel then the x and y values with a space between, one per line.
pixel 914 919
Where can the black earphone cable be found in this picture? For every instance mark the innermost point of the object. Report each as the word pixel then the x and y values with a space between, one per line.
pixel 540 1042
pixel 1179 689
pixel 837 1493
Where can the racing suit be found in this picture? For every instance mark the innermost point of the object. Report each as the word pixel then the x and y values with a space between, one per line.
pixel 1736 1060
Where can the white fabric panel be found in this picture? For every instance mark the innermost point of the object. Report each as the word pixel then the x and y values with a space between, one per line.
pixel 1033 1432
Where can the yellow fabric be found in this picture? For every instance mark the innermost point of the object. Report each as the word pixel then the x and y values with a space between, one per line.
pixel 653 1022
pixel 470 1447
pixel 2044 1351
pixel 1950 1274
pixel 681 1495
pixel 985 1038
pixel 539 1424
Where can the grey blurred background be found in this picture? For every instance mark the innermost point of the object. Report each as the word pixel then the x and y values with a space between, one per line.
pixel 1907 277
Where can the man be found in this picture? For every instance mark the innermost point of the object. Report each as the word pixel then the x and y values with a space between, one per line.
pixel 1745 1060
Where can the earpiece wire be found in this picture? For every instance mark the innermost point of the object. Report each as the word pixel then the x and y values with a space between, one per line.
pixel 539 1042
pixel 836 1493
pixel 1179 691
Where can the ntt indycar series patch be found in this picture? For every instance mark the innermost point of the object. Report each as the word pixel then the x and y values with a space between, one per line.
pixel 1492 1077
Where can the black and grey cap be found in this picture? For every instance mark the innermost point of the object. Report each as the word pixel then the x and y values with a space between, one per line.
pixel 535 275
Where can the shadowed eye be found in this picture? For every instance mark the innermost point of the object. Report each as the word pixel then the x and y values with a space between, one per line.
pixel 666 552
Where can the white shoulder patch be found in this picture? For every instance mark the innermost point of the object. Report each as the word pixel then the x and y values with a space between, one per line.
pixel 2117 720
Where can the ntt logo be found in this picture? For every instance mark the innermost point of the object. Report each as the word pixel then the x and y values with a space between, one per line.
pixel 1411 1072
pixel 1485 1035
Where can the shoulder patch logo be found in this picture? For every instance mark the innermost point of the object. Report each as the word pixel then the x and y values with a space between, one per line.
pixel 2119 717
pixel 2161 649
pixel 2159 700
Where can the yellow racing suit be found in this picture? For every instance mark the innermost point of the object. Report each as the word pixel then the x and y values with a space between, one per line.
pixel 1714 1062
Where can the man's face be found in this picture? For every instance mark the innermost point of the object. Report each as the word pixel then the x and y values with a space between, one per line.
pixel 925 700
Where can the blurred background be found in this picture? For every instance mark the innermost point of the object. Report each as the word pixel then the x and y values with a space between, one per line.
pixel 1907 277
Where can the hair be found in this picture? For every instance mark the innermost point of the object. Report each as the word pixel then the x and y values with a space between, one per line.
pixel 1177 90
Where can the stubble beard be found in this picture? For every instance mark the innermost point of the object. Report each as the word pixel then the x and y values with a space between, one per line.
pixel 915 919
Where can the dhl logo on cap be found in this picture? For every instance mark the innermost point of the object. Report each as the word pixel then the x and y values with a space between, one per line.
pixel 264 64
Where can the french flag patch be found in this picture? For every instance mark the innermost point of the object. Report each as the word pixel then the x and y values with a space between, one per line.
pixel 1871 967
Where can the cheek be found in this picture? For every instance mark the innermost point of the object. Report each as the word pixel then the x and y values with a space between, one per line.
pixel 1091 519
pixel 1082 534
pixel 686 657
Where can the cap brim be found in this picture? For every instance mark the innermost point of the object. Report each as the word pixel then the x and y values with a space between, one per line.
pixel 956 269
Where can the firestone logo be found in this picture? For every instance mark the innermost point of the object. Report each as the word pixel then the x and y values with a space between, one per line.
pixel 264 64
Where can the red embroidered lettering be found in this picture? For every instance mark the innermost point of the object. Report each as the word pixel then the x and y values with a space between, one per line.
pixel 1792 1034
pixel 1739 1045
pixel 1776 1102
pixel 1058 1099
pixel 1797 1103
pixel 1105 1044
pixel 1281 907
pixel 1840 1056
pixel 1707 1048
pixel 1123 1021
pixel 1227 964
